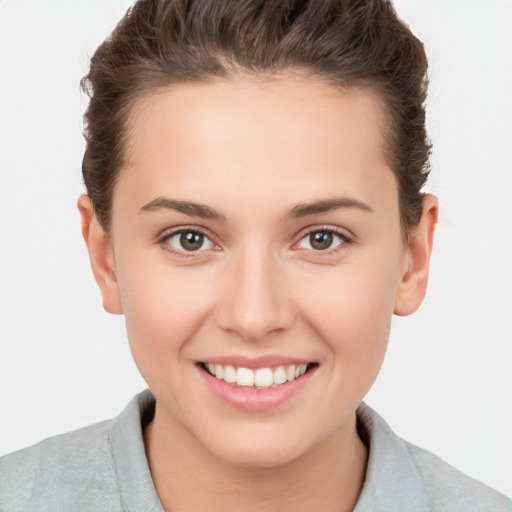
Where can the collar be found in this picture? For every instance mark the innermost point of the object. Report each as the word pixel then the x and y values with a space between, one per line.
pixel 391 482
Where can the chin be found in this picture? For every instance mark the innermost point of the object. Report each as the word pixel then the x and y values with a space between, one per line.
pixel 259 449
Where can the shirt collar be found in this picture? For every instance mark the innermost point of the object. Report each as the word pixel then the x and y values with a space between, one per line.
pixel 136 488
pixel 391 482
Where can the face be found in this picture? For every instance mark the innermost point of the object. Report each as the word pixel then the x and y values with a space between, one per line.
pixel 255 238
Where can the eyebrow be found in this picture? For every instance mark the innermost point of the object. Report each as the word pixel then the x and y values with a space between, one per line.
pixel 187 207
pixel 325 206
pixel 300 210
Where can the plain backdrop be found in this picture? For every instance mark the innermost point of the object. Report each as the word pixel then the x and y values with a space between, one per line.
pixel 446 383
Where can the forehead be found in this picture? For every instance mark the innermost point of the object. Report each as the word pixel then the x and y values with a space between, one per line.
pixel 231 140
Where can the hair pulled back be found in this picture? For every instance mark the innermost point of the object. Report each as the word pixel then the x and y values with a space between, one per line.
pixel 348 43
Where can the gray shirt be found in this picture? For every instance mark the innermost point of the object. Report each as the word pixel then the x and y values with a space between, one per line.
pixel 103 468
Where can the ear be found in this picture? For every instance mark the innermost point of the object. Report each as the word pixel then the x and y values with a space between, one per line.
pixel 413 286
pixel 100 256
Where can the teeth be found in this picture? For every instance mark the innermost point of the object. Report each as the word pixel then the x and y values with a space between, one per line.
pixel 279 376
pixel 245 377
pixel 229 374
pixel 261 378
pixel 219 371
pixel 264 378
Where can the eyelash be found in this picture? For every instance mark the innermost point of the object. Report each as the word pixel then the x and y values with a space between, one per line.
pixel 345 239
pixel 164 240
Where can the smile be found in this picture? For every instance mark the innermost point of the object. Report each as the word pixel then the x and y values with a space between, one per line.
pixel 257 384
pixel 260 378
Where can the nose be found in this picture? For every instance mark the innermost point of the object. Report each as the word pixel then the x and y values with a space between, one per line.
pixel 255 302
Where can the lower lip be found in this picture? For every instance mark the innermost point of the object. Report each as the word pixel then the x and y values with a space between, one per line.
pixel 252 399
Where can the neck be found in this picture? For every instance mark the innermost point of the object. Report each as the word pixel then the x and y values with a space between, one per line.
pixel 328 477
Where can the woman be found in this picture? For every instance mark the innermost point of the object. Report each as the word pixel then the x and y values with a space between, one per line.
pixel 254 209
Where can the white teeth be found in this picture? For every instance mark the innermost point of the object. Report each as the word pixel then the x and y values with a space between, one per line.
pixel 301 370
pixel 245 377
pixel 229 374
pixel 260 378
pixel 219 371
pixel 264 378
pixel 279 376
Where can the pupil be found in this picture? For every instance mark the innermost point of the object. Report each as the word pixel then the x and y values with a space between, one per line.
pixel 321 240
pixel 191 241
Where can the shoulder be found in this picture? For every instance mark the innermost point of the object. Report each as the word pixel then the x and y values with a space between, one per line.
pixel 450 489
pixel 402 476
pixel 61 473
pixel 100 468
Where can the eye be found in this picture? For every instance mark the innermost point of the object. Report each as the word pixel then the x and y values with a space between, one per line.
pixel 189 241
pixel 322 240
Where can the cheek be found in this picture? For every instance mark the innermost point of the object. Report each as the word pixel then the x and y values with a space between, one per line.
pixel 163 309
pixel 351 308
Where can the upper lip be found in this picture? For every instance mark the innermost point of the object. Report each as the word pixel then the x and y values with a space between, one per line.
pixel 256 362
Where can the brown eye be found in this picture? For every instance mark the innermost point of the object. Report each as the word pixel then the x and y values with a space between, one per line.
pixel 189 241
pixel 321 240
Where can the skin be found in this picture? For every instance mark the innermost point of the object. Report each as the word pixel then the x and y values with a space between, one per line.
pixel 252 150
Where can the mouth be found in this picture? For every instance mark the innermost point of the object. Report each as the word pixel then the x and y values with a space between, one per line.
pixel 257 378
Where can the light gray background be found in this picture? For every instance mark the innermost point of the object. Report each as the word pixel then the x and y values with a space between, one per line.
pixel 446 383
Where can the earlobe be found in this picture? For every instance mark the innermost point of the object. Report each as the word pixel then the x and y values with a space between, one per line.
pixel 100 256
pixel 413 286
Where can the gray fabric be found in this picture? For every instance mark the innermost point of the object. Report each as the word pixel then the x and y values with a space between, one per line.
pixel 402 477
pixel 103 468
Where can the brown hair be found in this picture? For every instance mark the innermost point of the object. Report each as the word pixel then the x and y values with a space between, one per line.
pixel 349 43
